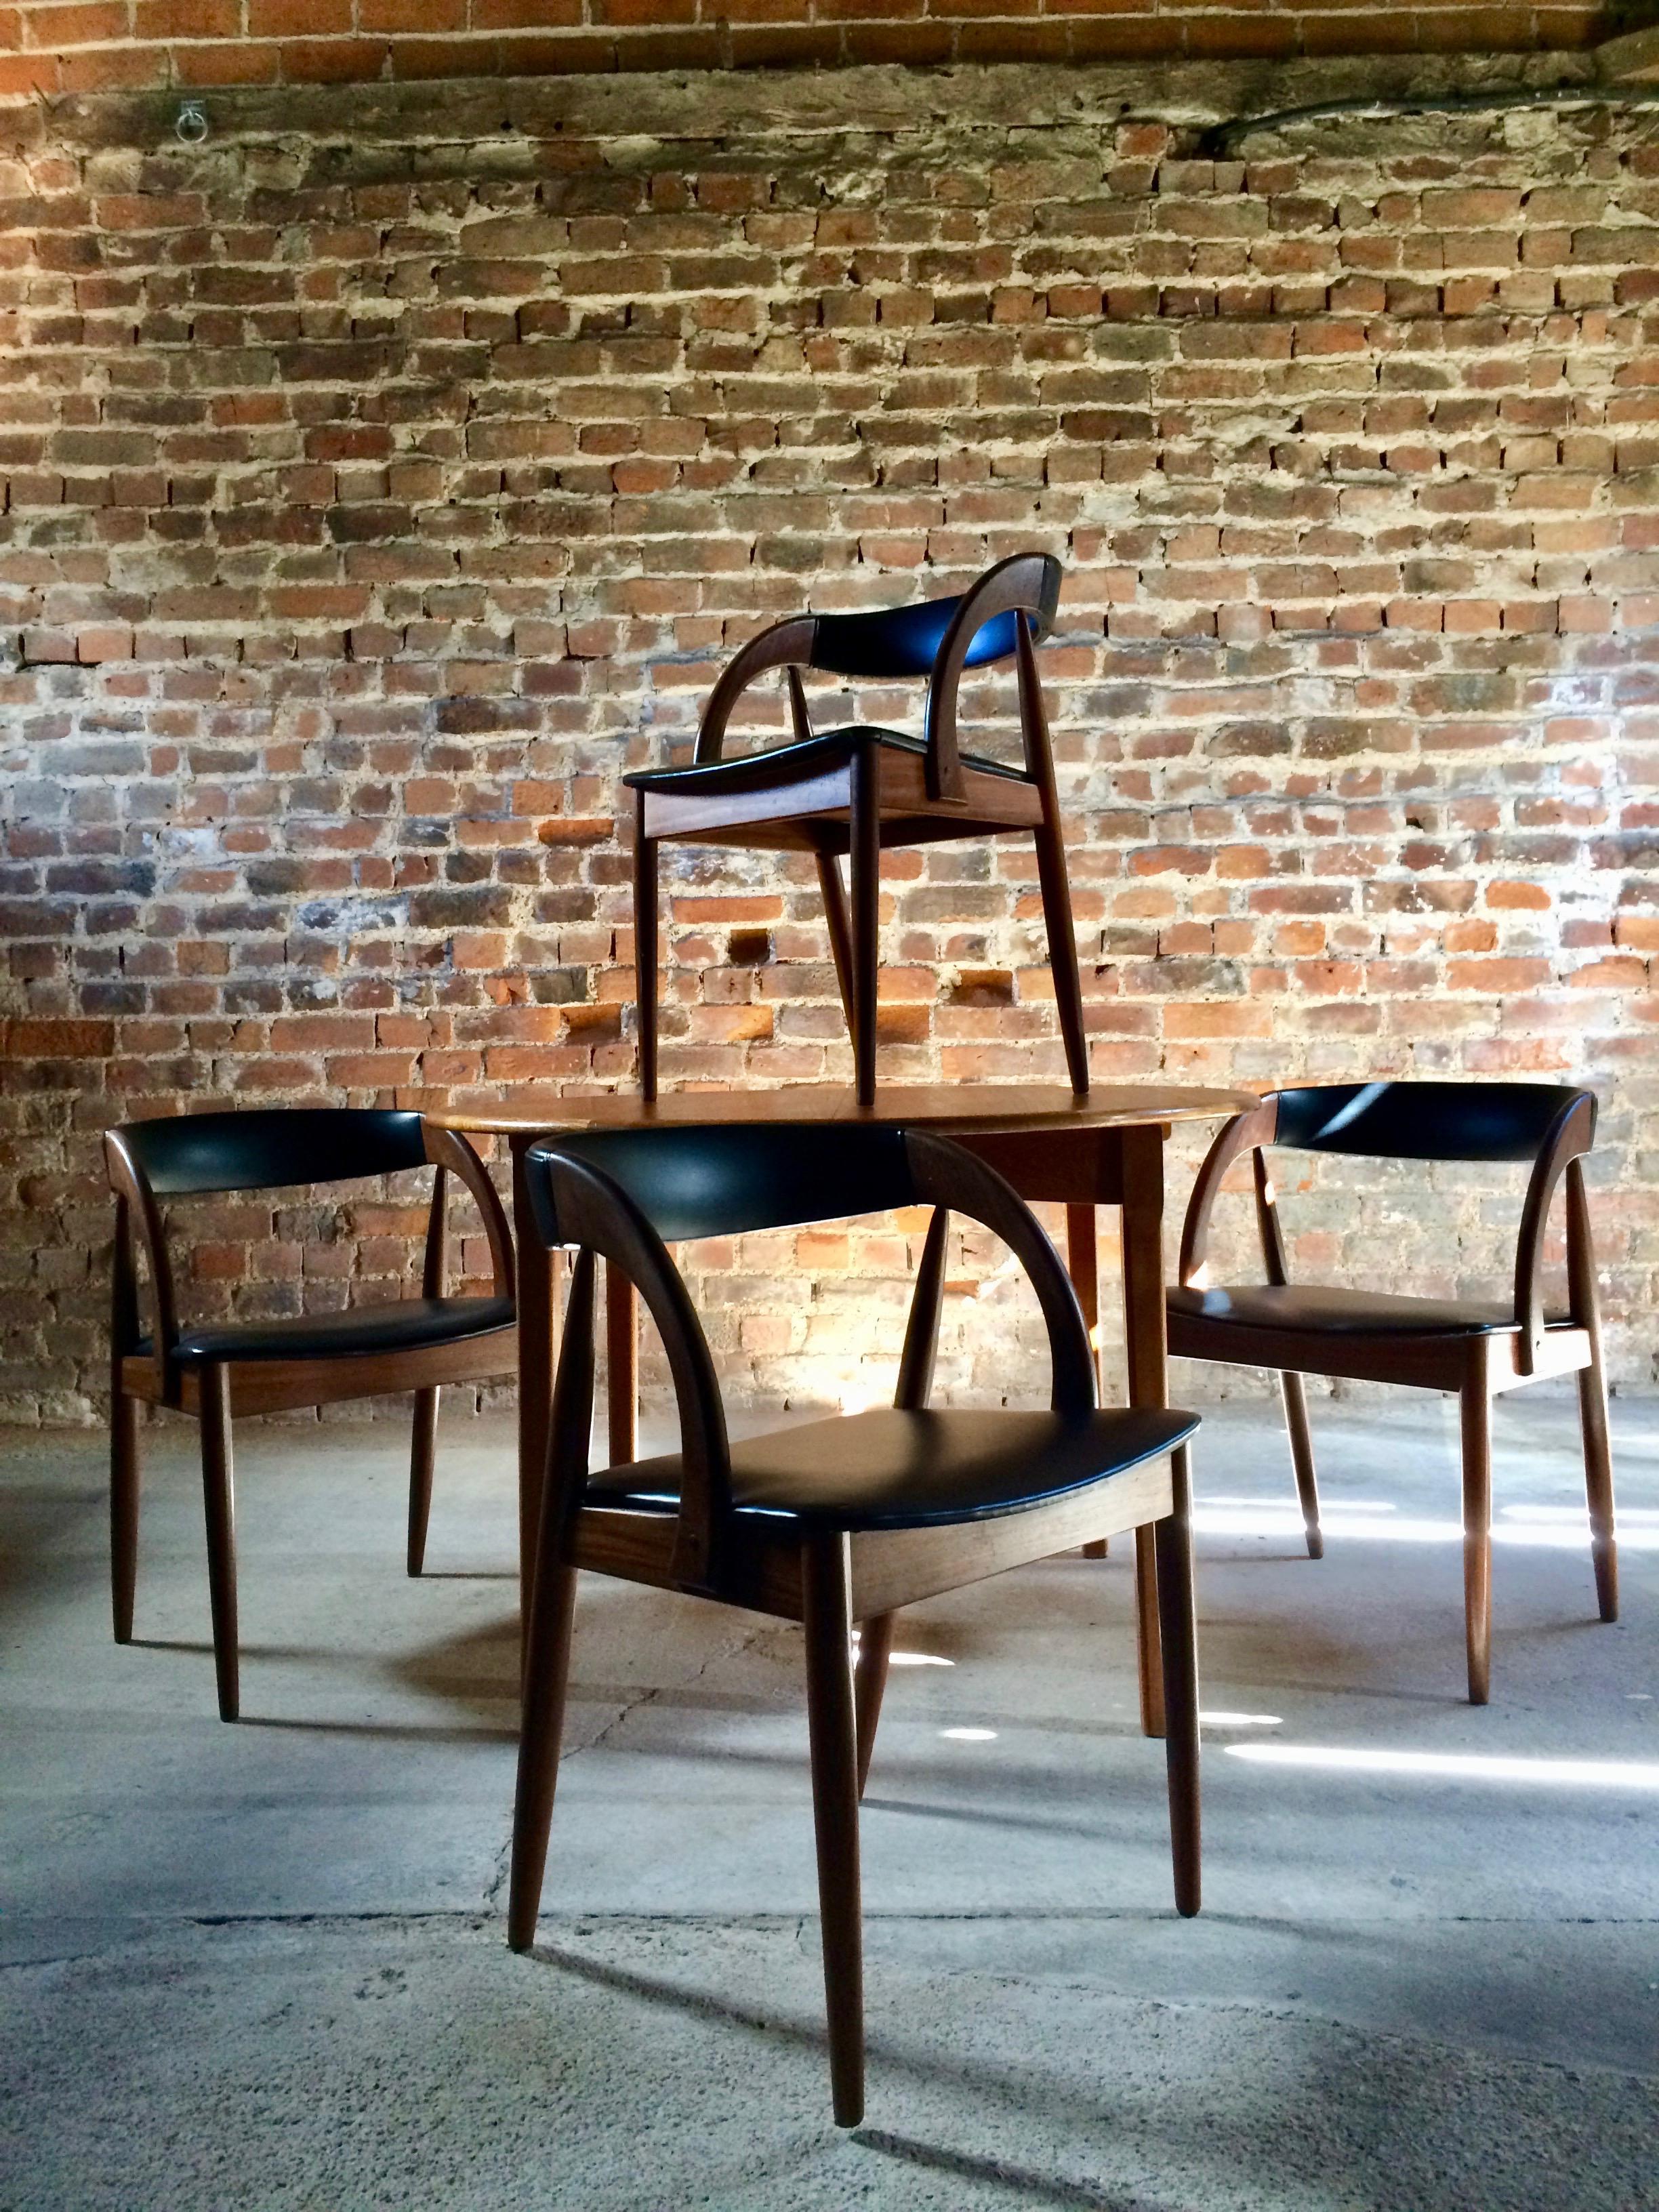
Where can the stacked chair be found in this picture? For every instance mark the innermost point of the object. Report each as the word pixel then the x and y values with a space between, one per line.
pixel 860 790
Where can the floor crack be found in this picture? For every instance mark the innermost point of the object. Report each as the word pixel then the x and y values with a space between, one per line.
pixel 735 1649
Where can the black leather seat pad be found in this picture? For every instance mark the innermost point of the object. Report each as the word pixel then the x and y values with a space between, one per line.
pixel 1344 1313
pixel 893 1470
pixel 405 1325
pixel 754 771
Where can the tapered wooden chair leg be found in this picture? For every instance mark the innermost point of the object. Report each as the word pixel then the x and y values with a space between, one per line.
pixel 218 1490
pixel 1083 1266
pixel 124 1486
pixel 1476 1410
pixel 1149 1658
pixel 869 1683
pixel 422 1451
pixel 1301 1458
pixel 1598 1485
pixel 865 919
pixel 1178 1628
pixel 547 1672
pixel 1592 1395
pixel 645 953
pixel 833 1729
pixel 840 931
pixel 1062 947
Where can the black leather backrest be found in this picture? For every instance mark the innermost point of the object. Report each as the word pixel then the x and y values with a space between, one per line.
pixel 258 1151
pixel 905 640
pixel 722 1181
pixel 1424 1121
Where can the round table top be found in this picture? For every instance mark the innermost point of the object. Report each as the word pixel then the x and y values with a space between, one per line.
pixel 1011 1106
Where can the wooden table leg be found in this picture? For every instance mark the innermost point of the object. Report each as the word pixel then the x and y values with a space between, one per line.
pixel 1147 1345
pixel 622 1350
pixel 538 1304
pixel 1083 1263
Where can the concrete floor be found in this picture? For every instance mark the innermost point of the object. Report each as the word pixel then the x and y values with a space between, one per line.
pixel 265 1966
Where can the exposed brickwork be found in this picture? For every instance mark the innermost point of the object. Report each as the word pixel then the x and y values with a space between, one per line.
pixel 94 46
pixel 387 475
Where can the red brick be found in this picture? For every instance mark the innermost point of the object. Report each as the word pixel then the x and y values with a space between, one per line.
pixel 1336 735
pixel 300 19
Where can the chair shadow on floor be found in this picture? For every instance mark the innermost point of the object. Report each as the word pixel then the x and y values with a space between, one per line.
pixel 979 2082
pixel 387 1731
pixel 1017 2180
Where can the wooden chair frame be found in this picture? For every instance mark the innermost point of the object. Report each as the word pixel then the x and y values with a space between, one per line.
pixel 840 794
pixel 828 1579
pixel 213 1392
pixel 1476 1366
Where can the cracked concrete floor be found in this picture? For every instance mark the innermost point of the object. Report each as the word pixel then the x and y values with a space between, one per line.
pixel 264 1964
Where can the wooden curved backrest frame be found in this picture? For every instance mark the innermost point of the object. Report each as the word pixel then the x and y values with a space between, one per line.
pixel 1026 586
pixel 573 1201
pixel 1570 1138
pixel 949 1177
pixel 1564 1142
pixel 1245 1133
pixel 450 1153
pixel 136 1208
pixel 785 645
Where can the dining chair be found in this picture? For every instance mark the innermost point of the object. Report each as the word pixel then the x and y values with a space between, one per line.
pixel 1474 1347
pixel 837 1521
pixel 215 1370
pixel 857 790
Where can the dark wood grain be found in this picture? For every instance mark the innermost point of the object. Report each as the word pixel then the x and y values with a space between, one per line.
pixel 869 1685
pixel 833 1733
pixel 1476 1421
pixel 1174 1539
pixel 1585 1305
pixel 1141 1223
pixel 218 1493
pixel 963 1108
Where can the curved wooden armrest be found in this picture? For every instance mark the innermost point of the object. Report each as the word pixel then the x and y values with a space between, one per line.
pixel 951 1178
pixel 589 1209
pixel 449 1152
pixel 1245 1133
pixel 785 645
pixel 135 1202
pixel 1568 1138
pixel 1021 585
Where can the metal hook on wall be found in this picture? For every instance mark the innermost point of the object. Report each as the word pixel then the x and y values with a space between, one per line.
pixel 190 126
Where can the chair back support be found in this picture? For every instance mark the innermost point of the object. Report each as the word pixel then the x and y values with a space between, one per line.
pixel 900 641
pixel 926 639
pixel 1425 1121
pixel 624 1194
pixel 1551 1126
pixel 690 1182
pixel 199 1153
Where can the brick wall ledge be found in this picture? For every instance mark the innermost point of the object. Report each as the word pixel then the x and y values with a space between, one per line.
pixel 711 105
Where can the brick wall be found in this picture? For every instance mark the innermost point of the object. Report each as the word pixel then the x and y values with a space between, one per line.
pixel 387 473
pixel 86 45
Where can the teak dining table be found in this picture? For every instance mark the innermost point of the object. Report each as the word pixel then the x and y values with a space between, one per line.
pixel 1104 1147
